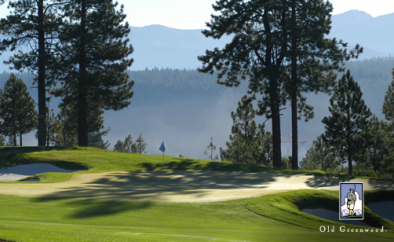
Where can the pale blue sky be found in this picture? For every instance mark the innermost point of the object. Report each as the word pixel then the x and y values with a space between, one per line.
pixel 193 14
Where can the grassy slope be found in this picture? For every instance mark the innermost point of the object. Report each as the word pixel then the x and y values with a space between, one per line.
pixel 97 160
pixel 255 219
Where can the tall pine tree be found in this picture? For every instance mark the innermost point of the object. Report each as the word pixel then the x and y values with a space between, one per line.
pixel 34 24
pixel 314 58
pixel 260 49
pixel 92 59
pixel 347 129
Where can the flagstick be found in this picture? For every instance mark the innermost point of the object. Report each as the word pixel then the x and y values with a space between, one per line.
pixel 163 156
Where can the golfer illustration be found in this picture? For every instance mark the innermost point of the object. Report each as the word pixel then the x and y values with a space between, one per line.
pixel 351 199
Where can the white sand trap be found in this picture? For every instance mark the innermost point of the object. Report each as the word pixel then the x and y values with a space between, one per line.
pixel 16 173
pixel 180 185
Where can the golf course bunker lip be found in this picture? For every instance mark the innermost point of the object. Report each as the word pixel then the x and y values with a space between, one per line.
pixel 331 215
pixel 383 209
pixel 19 172
pixel 31 180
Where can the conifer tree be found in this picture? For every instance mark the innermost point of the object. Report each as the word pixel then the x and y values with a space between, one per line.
pixel 260 49
pixel 10 141
pixel 378 149
pixel 34 24
pixel 96 139
pixel 319 156
pixel 347 129
pixel 91 60
pixel 388 104
pixel 17 109
pixel 128 144
pixel 119 146
pixel 248 143
pixel 140 144
pixel 2 140
pixel 388 128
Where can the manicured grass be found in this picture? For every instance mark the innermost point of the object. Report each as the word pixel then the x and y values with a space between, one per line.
pixel 268 218
pixel 274 217
pixel 97 160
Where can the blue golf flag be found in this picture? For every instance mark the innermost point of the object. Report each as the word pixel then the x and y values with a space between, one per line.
pixel 162 148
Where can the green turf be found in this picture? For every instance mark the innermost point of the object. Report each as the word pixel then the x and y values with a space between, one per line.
pixel 97 160
pixel 274 217
pixel 267 218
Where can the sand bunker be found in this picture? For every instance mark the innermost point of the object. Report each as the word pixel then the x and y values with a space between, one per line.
pixel 16 173
pixel 180 185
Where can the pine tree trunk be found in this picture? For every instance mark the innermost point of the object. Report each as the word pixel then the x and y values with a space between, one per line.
pixel 14 138
pixel 294 91
pixel 276 129
pixel 41 76
pixel 82 103
pixel 20 138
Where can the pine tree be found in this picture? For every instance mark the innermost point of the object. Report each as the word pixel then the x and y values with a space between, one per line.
pixel 140 144
pixel 2 140
pixel 91 60
pixel 388 128
pixel 314 57
pixel 248 143
pixel 119 146
pixel 28 24
pixel 388 104
pixel 347 129
pixel 319 156
pixel 260 49
pixel 377 150
pixel 128 144
pixel 10 141
pixel 96 139
pixel 17 109
pixel 264 141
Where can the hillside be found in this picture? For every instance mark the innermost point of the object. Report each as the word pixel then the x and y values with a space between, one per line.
pixel 184 108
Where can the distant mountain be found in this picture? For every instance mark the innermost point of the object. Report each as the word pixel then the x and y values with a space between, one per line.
pixel 162 47
pixel 358 27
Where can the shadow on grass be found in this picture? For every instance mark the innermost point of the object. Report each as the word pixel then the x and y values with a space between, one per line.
pixel 326 181
pixel 93 208
pixel 13 156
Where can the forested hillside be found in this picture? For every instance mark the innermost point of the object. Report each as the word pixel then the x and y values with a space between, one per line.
pixel 176 102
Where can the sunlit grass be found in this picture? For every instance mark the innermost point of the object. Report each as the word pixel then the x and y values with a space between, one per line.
pixel 268 218
pixel 97 160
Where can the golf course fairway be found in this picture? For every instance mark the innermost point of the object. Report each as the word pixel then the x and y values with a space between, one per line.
pixel 127 197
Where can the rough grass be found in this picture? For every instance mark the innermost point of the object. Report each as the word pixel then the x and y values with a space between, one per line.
pixel 268 218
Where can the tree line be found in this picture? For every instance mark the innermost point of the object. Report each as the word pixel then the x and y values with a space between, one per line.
pixel 78 51
pixel 279 46
pixel 353 134
pixel 281 49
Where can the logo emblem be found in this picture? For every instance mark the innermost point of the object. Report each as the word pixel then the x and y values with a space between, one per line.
pixel 351 201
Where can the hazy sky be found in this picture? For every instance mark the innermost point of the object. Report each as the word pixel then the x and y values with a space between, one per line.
pixel 193 14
